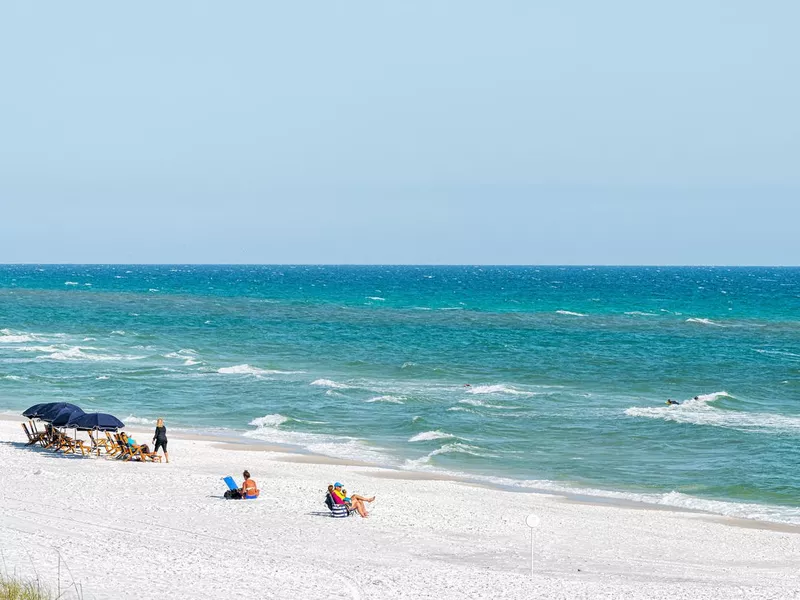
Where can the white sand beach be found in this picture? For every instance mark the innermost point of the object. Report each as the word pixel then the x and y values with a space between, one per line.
pixel 128 530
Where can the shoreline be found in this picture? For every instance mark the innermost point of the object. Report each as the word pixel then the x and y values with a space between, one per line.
pixel 296 454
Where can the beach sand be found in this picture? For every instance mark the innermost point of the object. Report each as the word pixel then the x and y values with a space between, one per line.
pixel 127 530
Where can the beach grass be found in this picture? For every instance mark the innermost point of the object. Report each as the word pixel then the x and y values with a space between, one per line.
pixel 12 588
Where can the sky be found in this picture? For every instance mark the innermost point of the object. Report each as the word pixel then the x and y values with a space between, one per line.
pixel 435 132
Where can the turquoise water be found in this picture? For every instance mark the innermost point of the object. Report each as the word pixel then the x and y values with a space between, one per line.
pixel 540 377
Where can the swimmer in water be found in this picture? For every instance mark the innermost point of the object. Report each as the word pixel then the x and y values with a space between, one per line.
pixel 670 402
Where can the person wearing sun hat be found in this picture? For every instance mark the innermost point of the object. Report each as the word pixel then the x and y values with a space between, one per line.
pixel 354 502
pixel 338 495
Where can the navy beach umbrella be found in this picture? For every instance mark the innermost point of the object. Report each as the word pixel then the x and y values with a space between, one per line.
pixel 65 415
pixel 96 421
pixel 51 412
pixel 33 411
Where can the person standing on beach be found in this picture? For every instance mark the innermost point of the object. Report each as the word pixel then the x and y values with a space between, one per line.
pixel 160 438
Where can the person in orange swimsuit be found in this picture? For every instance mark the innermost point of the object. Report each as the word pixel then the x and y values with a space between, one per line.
pixel 249 489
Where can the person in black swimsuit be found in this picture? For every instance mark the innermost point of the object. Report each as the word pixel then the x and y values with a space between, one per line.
pixel 160 438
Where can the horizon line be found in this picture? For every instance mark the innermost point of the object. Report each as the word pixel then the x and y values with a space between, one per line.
pixel 434 265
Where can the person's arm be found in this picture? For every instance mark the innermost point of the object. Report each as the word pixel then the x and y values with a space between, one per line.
pixel 155 435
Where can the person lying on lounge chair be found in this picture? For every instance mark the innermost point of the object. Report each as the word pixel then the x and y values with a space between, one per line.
pixel 134 446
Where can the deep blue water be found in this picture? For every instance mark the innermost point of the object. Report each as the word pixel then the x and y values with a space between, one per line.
pixel 541 377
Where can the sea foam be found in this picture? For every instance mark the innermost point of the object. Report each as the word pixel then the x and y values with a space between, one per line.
pixel 498 389
pixel 476 402
pixel 704 322
pixel 702 412
pixel 570 313
pixel 427 436
pixel 134 420
pixel 389 399
pixel 269 421
pixel 248 370
pixel 329 383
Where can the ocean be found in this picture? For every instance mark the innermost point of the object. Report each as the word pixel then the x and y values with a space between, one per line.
pixel 540 378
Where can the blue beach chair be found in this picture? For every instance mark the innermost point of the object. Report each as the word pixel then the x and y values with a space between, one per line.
pixel 338 511
pixel 233 489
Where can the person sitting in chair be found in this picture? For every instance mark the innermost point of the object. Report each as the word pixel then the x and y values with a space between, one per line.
pixel 133 445
pixel 354 503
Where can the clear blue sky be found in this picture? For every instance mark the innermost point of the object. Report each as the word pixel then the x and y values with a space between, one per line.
pixel 615 132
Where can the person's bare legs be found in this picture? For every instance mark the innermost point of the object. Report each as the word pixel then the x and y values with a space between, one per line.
pixel 357 497
pixel 166 455
pixel 358 505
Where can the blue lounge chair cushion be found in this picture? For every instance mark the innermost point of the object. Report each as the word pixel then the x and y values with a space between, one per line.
pixel 231 483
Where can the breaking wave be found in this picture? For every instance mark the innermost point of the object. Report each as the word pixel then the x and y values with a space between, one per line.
pixel 700 412
pixel 704 322
pixel 472 402
pixel 451 448
pixel 75 353
pixel 570 313
pixel 248 370
pixel 134 420
pixel 431 435
pixel 389 399
pixel 328 383
pixel 274 420
pixel 498 389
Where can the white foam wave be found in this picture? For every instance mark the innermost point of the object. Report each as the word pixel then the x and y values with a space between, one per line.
pixel 327 445
pixel 427 436
pixel 378 298
pixel 760 351
pixel 134 420
pixel 75 353
pixel 389 399
pixel 473 402
pixel 16 339
pixel 329 383
pixel 461 409
pixel 102 378
pixel 704 322
pixel 13 377
pixel 639 313
pixel 498 389
pixel 274 420
pixel 247 370
pixel 741 510
pixel 153 290
pixel 451 448
pixel 118 332
pixel 334 393
pixel 70 283
pixel 699 411
pixel 570 313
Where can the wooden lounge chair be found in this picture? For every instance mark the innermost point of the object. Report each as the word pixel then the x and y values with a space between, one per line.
pixel 33 438
pixel 100 442
pixel 136 452
pixel 69 445
pixel 114 448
